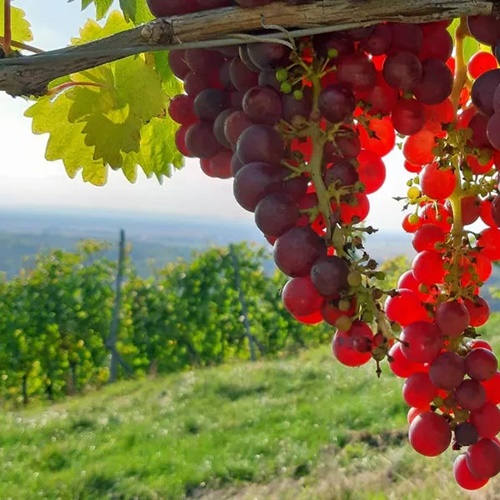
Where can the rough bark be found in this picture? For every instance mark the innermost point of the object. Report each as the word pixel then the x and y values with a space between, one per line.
pixel 30 75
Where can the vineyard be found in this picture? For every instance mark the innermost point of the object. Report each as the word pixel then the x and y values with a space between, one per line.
pixel 55 319
pixel 300 104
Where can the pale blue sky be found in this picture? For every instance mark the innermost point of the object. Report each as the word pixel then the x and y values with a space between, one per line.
pixel 27 179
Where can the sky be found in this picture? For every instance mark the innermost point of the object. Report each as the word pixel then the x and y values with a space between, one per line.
pixel 28 180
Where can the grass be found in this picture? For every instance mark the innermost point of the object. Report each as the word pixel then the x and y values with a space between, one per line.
pixel 301 428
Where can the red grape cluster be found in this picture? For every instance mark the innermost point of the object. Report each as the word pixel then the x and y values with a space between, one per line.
pixel 452 381
pixel 303 127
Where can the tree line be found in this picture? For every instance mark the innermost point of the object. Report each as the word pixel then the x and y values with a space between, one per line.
pixel 56 317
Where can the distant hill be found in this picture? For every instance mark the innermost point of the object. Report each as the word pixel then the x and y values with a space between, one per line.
pixel 155 239
pixel 18 250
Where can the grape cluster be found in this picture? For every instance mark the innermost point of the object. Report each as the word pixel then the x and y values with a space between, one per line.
pixel 303 127
pixel 452 380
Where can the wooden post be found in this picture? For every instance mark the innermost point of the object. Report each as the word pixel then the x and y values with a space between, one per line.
pixel 252 341
pixel 115 320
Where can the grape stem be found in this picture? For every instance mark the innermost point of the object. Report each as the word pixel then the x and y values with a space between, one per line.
pixel 318 139
pixel 7 31
pixel 456 205
pixel 455 199
pixel 381 319
pixel 278 28
pixel 461 66
pixel 253 38
pixel 69 85
pixel 22 46
pixel 315 170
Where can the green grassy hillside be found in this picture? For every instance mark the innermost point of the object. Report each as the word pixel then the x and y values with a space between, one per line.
pixel 302 428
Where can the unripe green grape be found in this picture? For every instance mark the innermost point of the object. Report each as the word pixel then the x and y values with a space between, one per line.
pixel 333 53
pixel 413 219
pixel 298 95
pixel 359 187
pixel 354 278
pixel 343 323
pixel 413 193
pixel 396 327
pixel 286 87
pixel 282 75
pixel 368 316
pixel 344 305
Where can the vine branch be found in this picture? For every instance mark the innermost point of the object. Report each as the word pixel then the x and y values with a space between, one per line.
pixel 22 46
pixel 30 75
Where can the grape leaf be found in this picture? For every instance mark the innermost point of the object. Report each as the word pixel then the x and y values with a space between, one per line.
pixel 111 133
pixel 131 94
pixel 65 139
pixel 20 27
pixel 113 115
pixel 154 149
pixel 92 30
pixel 452 28
pixel 471 46
pixel 101 6
pixel 136 11
pixel 171 85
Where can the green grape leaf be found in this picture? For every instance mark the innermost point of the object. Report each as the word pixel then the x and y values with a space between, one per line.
pixel 171 84
pixel 471 46
pixel 452 28
pixel 20 27
pixel 136 11
pixel 156 155
pixel 66 139
pixel 113 115
pixel 101 6
pixel 111 134
pixel 131 94
pixel 92 30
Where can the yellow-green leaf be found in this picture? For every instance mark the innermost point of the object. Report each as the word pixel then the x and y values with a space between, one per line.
pixel 101 6
pixel 157 155
pixel 136 10
pixel 114 115
pixel 92 30
pixel 66 140
pixel 112 134
pixel 140 86
pixel 20 27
